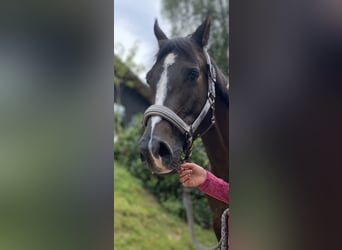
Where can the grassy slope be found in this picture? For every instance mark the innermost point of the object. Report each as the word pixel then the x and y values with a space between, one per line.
pixel 140 223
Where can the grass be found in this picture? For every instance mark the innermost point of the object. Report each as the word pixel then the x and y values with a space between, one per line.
pixel 141 223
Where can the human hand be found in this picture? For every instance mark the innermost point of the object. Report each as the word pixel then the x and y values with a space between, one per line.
pixel 191 174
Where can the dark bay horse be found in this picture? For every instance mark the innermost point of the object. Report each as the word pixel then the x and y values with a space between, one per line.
pixel 190 99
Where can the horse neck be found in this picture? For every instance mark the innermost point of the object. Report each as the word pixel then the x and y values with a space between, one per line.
pixel 216 141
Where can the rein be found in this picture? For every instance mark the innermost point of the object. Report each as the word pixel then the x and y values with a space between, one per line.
pixel 223 243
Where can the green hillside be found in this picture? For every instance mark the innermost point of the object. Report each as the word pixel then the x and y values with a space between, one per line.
pixel 141 224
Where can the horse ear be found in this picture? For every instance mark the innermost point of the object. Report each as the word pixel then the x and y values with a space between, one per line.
pixel 201 35
pixel 160 35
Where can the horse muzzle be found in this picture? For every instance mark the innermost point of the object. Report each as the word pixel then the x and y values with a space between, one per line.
pixel 158 155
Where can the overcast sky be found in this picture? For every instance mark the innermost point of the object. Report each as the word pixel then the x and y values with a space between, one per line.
pixel 133 22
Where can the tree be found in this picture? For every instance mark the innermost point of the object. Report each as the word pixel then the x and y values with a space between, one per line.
pixel 186 15
pixel 124 66
pixel 124 62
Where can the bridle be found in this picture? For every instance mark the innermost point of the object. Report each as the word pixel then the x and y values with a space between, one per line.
pixel 189 131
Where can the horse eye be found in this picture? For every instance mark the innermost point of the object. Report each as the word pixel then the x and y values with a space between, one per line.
pixel 193 75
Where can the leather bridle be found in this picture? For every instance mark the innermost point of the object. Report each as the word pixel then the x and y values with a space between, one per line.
pixel 189 131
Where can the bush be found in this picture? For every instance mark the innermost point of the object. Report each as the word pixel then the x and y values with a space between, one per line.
pixel 167 190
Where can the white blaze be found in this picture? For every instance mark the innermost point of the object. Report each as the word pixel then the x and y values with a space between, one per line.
pixel 160 98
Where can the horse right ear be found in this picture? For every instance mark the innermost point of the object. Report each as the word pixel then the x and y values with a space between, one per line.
pixel 160 35
pixel 201 35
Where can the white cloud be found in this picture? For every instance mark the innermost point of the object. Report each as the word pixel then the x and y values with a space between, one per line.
pixel 133 22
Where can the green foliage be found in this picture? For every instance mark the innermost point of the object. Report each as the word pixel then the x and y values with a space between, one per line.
pixel 167 190
pixel 123 66
pixel 124 61
pixel 140 223
pixel 118 121
pixel 186 15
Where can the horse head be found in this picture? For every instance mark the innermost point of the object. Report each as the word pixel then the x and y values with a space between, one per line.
pixel 179 83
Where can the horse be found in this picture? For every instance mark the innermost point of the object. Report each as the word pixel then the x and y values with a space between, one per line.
pixel 190 95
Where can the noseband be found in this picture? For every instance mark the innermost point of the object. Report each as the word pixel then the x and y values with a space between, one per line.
pixel 189 131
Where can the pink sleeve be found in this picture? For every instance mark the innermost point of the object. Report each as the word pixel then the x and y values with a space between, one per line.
pixel 215 187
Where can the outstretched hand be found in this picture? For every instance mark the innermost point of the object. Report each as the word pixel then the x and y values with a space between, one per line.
pixel 191 174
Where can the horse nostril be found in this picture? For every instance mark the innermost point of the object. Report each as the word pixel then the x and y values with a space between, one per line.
pixel 143 148
pixel 164 150
pixel 142 157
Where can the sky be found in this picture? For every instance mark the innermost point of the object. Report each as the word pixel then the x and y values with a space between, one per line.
pixel 133 22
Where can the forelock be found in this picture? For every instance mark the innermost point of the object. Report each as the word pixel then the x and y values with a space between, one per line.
pixel 179 46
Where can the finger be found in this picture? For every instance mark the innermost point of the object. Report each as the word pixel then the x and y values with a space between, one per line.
pixel 185 172
pixel 186 182
pixel 184 179
pixel 185 176
pixel 187 166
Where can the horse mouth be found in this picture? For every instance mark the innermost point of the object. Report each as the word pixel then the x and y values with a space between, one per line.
pixel 160 167
pixel 164 172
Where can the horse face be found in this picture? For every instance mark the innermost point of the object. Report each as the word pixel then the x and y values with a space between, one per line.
pixel 178 80
pixel 180 86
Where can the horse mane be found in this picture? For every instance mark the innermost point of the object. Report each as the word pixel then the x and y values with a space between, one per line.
pixel 179 45
pixel 221 83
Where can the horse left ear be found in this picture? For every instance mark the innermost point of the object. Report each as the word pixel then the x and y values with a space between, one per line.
pixel 160 35
pixel 201 35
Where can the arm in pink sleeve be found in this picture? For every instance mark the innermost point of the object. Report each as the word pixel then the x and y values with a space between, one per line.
pixel 215 187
